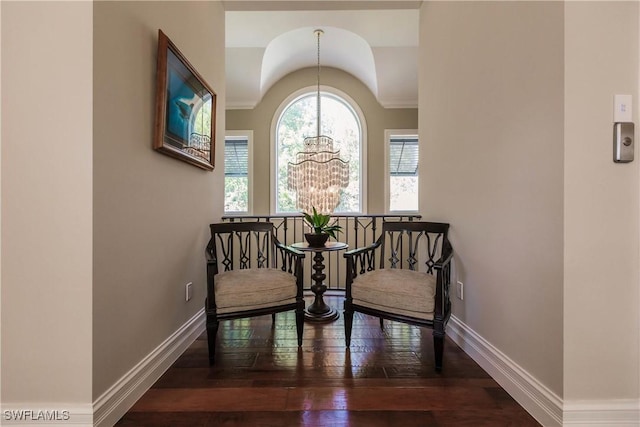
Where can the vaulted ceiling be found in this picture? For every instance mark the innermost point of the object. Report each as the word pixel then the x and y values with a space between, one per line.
pixel 376 41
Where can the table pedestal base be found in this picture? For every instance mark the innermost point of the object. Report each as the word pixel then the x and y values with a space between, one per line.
pixel 319 311
pixel 313 314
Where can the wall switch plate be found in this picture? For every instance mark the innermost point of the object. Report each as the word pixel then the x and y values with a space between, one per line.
pixel 188 291
pixel 460 290
pixel 622 108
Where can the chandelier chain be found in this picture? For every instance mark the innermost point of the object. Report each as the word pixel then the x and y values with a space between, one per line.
pixel 318 174
pixel 318 33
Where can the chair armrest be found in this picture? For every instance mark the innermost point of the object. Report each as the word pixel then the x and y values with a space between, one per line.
pixel 442 309
pixel 212 270
pixel 359 261
pixel 291 262
pixel 212 262
pixel 445 257
pixel 289 249
pixel 290 258
pixel 364 249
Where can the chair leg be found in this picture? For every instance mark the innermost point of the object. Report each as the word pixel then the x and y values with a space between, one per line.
pixel 299 324
pixel 381 323
pixel 348 326
pixel 273 318
pixel 212 332
pixel 438 347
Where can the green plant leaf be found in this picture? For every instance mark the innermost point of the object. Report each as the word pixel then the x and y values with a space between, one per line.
pixel 308 218
pixel 320 223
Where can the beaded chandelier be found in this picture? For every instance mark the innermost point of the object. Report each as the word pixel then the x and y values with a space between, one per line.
pixel 318 173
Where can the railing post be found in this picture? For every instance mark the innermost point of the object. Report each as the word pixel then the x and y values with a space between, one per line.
pixel 285 227
pixel 374 228
pixel 356 222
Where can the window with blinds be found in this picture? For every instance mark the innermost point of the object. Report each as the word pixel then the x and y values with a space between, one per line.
pixel 403 156
pixel 236 157
pixel 402 167
pixel 237 177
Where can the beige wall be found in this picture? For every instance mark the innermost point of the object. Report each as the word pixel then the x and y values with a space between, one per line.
pixel 46 204
pixel 534 218
pixel 151 212
pixel 377 119
pixel 601 205
pixel 491 132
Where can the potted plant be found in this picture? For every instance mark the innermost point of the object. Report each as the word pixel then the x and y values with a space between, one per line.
pixel 321 228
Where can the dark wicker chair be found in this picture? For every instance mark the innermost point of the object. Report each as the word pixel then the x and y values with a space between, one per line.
pixel 250 273
pixel 414 288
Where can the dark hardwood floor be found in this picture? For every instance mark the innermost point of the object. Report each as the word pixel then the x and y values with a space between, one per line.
pixel 261 378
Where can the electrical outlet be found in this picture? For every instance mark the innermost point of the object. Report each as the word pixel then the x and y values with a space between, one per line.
pixel 460 290
pixel 188 291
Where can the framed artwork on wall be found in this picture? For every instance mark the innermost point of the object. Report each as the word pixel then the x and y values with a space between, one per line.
pixel 185 109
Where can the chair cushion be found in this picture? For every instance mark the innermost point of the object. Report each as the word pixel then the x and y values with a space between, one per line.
pixel 397 291
pixel 253 288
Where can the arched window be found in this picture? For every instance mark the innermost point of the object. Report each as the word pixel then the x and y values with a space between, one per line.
pixel 342 120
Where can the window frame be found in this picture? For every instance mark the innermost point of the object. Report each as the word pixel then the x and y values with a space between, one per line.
pixel 388 134
pixel 353 105
pixel 241 135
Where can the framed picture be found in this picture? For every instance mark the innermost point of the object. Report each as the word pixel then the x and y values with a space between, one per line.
pixel 185 109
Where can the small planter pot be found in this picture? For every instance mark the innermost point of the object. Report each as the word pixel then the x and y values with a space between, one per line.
pixel 316 240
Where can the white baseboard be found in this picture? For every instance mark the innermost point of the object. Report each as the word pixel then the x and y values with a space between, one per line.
pixel 544 405
pixel 46 415
pixel 606 413
pixel 120 397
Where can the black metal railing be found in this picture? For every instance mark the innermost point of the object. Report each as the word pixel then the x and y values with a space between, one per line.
pixel 357 231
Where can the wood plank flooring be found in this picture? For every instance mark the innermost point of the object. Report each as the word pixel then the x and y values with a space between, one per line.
pixel 262 379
